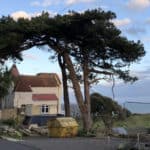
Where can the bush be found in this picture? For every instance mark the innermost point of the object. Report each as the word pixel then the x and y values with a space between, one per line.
pixel 108 110
pixel 84 133
pixel 15 134
pixel 9 122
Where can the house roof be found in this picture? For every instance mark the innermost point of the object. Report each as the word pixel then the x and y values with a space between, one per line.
pixel 23 83
pixel 47 97
pixel 22 86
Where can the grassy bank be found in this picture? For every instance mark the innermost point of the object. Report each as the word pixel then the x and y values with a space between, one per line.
pixel 132 122
pixel 135 121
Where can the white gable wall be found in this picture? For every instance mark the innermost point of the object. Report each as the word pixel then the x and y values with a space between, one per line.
pixel 25 98
pixel 49 90
pixel 46 90
pixel 22 98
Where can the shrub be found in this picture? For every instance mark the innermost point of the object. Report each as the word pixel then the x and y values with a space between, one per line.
pixel 9 122
pixel 84 133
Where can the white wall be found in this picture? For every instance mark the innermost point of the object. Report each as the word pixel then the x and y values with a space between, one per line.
pixel 50 90
pixel 36 109
pixel 46 90
pixel 45 102
pixel 22 98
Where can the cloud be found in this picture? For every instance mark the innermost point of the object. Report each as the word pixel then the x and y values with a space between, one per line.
pixel 44 3
pixel 47 3
pixel 148 21
pixel 144 74
pixel 139 91
pixel 135 30
pixel 70 2
pixel 138 4
pixel 31 56
pixel 122 22
pixel 35 3
pixel 22 14
pixel 146 39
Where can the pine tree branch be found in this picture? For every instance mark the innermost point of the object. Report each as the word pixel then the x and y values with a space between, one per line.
pixel 100 72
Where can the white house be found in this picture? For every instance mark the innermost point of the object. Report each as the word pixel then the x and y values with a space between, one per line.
pixel 39 94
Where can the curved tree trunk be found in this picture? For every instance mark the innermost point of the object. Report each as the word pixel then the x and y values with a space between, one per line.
pixel 65 86
pixel 87 93
pixel 84 107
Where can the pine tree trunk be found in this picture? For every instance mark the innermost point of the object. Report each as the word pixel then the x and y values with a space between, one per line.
pixel 84 107
pixel 65 86
pixel 87 93
pixel 66 96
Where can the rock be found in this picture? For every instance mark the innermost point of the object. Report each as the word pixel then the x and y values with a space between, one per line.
pixel 37 130
pixel 3 128
pixel 32 126
pixel 11 130
pixel 40 130
pixel 44 131
pixel 127 146
pixel 119 131
pixel 121 146
pixel 25 132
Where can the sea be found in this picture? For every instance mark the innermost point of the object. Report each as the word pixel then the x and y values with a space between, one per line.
pixel 137 107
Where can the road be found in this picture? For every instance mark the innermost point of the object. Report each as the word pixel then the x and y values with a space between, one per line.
pixel 41 143
pixel 73 143
pixel 7 145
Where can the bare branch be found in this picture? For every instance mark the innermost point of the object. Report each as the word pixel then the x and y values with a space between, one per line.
pixel 97 79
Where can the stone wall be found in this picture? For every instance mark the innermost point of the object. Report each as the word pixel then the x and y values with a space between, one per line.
pixel 8 114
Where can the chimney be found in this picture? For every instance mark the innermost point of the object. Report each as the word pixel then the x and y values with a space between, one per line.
pixel 14 71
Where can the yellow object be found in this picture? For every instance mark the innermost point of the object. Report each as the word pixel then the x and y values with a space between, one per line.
pixel 63 127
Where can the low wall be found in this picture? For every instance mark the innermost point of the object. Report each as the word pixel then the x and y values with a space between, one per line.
pixel 8 114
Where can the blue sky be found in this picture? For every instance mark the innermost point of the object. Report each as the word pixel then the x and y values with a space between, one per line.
pixel 133 18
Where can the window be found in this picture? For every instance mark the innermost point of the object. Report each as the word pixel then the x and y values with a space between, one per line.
pixel 44 109
pixel 23 108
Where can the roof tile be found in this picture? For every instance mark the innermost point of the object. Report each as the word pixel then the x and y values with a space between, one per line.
pixel 24 83
pixel 39 97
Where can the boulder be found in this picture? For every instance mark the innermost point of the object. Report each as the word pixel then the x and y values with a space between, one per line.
pixel 25 132
pixel 3 128
pixel 32 126
pixel 119 131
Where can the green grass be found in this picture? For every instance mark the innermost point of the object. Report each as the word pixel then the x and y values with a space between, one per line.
pixel 135 121
pixel 133 124
pixel 98 125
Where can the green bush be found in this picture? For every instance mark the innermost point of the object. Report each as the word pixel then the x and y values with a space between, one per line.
pixel 16 135
pixel 9 122
pixel 84 133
